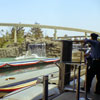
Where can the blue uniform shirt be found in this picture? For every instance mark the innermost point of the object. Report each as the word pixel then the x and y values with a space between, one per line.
pixel 95 48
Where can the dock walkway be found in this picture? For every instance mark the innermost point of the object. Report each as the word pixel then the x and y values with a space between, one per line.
pixel 71 95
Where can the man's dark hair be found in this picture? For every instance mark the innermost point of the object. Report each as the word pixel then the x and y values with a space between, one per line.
pixel 94 36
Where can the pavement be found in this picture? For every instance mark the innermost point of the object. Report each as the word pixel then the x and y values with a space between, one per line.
pixel 70 94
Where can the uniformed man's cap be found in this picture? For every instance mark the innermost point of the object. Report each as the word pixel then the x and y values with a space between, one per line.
pixel 94 35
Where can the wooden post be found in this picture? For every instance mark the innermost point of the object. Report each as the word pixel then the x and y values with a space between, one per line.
pixel 66 56
pixel 45 88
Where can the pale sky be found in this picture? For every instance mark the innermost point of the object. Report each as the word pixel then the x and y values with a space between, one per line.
pixel 84 14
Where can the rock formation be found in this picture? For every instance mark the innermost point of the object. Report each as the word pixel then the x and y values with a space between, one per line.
pixel 52 48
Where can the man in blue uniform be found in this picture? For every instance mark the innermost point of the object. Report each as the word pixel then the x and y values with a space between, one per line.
pixel 95 66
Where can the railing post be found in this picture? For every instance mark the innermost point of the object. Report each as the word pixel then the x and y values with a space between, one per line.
pixel 45 88
pixel 78 84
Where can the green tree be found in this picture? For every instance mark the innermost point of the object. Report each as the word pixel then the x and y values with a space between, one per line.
pixel 36 32
pixel 19 32
pixel 12 33
pixel 7 36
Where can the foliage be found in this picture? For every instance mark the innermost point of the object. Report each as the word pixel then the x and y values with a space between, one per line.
pixel 1 42
pixel 19 32
pixel 7 38
pixel 46 37
pixel 36 32
pixel 12 33
pixel 6 44
pixel 65 36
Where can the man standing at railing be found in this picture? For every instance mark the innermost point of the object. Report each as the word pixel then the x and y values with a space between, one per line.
pixel 94 68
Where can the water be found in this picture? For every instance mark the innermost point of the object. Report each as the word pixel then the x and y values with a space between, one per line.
pixel 38 49
pixel 6 59
pixel 35 52
pixel 22 69
pixel 39 53
pixel 10 73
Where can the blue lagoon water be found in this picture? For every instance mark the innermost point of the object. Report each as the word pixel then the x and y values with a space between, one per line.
pixel 9 72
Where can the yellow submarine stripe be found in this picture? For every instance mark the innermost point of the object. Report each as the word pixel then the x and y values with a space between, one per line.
pixel 20 86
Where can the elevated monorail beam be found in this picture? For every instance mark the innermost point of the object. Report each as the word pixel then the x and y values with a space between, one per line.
pixel 48 27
